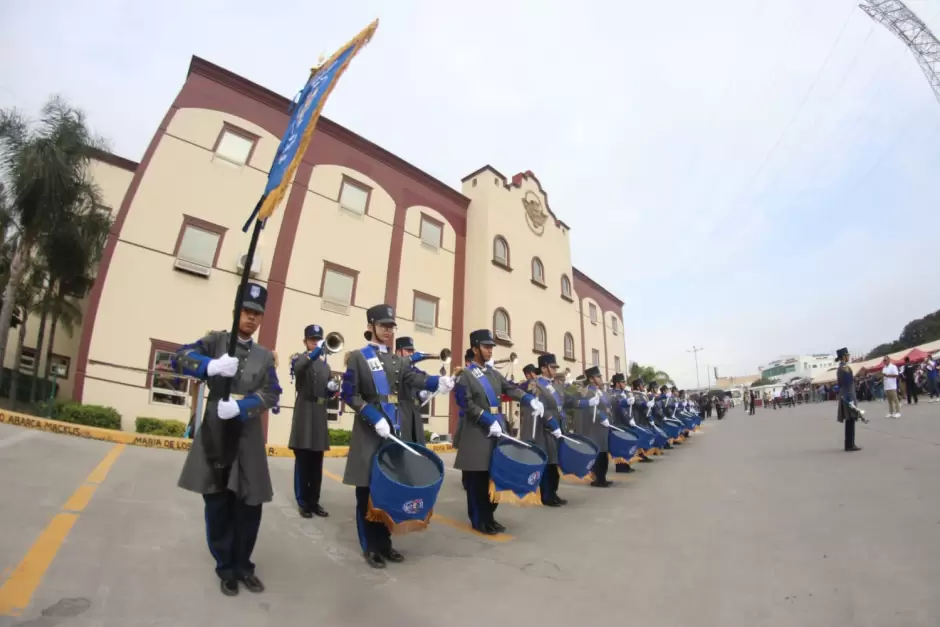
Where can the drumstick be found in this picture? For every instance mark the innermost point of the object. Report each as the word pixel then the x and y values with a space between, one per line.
pixel 455 374
pixel 617 429
pixel 405 446
pixel 570 439
pixel 517 441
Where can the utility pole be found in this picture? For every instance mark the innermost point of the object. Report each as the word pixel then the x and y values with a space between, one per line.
pixel 694 351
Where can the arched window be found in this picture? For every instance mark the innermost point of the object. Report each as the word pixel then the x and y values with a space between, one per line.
pixel 540 337
pixel 501 325
pixel 500 251
pixel 565 286
pixel 569 346
pixel 538 271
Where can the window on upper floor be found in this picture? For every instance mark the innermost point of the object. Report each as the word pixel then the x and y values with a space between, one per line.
pixel 565 287
pixel 425 312
pixel 338 288
pixel 58 365
pixel 540 338
pixel 617 364
pixel 431 232
pixel 354 196
pixel 28 360
pixel 501 328
pixel 614 325
pixel 569 346
pixel 538 271
pixel 234 145
pixel 198 246
pixel 595 357
pixel 166 389
pixel 592 312
pixel 500 252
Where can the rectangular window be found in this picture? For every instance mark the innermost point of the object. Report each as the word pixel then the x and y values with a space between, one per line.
pixel 592 310
pixel 427 412
pixel 28 361
pixel 338 287
pixel 166 389
pixel 334 405
pixel 234 145
pixel 616 364
pixel 198 245
pixel 354 197
pixel 431 232
pixel 595 357
pixel 59 365
pixel 613 325
pixel 425 312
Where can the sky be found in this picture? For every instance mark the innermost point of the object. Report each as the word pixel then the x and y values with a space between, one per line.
pixel 755 177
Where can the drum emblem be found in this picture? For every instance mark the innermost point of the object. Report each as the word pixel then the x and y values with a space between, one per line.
pixel 534 478
pixel 590 465
pixel 413 506
pixel 632 450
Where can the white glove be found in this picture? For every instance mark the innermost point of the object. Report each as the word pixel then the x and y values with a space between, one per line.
pixel 605 423
pixel 320 343
pixel 332 386
pixel 632 422
pixel 224 366
pixel 228 409
pixel 423 395
pixel 594 402
pixel 445 385
pixel 495 430
pixel 383 428
pixel 491 363
pixel 630 400
pixel 537 408
pixel 557 433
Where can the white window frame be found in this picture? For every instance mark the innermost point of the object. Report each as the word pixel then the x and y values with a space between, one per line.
pixel 228 159
pixel 544 346
pixel 193 264
pixel 569 336
pixel 358 187
pixel 420 325
pixel 504 260
pixel 31 369
pixel 436 244
pixel 565 286
pixel 592 312
pixel 500 334
pixel 185 394
pixel 331 304
pixel 595 357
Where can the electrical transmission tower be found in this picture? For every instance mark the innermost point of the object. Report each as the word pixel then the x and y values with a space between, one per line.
pixel 896 17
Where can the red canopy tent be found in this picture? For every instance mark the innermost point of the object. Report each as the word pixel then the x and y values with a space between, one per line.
pixel 915 354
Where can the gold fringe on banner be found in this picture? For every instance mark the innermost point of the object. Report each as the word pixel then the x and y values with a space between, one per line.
pixel 408 526
pixel 619 460
pixel 532 499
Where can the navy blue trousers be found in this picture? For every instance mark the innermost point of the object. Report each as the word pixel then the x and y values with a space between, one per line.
pixel 479 508
pixel 231 532
pixel 308 477
pixel 373 536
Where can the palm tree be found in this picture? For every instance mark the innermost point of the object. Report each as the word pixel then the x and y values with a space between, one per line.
pixel 44 169
pixel 27 302
pixel 649 374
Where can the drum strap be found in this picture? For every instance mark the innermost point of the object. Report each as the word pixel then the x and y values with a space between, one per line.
pixel 381 384
pixel 480 375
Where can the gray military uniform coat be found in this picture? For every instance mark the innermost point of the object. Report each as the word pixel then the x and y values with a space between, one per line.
pixel 641 413
pixel 309 428
pixel 358 390
pixel 409 404
pixel 476 447
pixel 543 437
pixel 249 478
pixel 589 427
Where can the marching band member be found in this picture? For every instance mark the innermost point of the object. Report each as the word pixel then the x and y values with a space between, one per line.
pixel 848 413
pixel 310 433
pixel 478 393
pixel 594 424
pixel 643 412
pixel 658 414
pixel 410 399
pixel 530 372
pixel 622 405
pixel 227 462
pixel 371 385
pixel 545 430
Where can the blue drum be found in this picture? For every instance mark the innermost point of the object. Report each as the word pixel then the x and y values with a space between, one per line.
pixel 623 445
pixel 645 439
pixel 404 487
pixel 673 429
pixel 576 458
pixel 515 473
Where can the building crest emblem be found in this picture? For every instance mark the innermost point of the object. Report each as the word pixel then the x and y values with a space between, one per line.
pixel 534 212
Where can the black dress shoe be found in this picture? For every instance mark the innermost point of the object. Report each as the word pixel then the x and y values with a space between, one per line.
pixel 229 587
pixel 252 583
pixel 374 559
pixel 599 484
pixel 319 511
pixel 305 513
pixel 561 501
pixel 854 448
pixel 486 529
pixel 498 527
pixel 391 555
pixel 551 503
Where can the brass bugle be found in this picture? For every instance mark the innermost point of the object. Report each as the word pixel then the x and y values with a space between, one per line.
pixel 444 356
pixel 513 359
pixel 333 342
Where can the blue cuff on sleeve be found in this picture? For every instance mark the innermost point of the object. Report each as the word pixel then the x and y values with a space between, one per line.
pixel 527 398
pixel 246 405
pixel 431 384
pixel 200 371
pixel 487 418
pixel 315 353
pixel 553 424
pixel 372 414
pixel 584 402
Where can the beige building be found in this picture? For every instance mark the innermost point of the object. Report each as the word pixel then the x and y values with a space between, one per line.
pixel 359 227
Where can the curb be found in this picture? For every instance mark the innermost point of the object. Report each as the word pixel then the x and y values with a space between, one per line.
pixel 150 441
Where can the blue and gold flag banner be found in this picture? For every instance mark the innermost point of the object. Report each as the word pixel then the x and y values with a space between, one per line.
pixel 304 118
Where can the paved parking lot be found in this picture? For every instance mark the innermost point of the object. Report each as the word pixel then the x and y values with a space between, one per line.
pixel 757 521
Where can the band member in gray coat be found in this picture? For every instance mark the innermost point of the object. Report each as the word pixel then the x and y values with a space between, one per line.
pixel 545 430
pixel 595 423
pixel 410 399
pixel 310 432
pixel 233 509
pixel 478 393
pixel 373 380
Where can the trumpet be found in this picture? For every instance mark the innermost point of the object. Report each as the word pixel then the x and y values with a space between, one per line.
pixel 333 343
pixel 444 356
pixel 512 359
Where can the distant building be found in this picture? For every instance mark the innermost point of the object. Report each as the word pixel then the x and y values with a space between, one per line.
pixel 792 367
pixel 726 383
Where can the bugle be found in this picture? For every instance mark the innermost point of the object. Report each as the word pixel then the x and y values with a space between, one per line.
pixel 333 343
pixel 444 356
pixel 512 359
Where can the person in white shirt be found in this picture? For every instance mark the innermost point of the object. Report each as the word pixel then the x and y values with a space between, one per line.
pixel 890 373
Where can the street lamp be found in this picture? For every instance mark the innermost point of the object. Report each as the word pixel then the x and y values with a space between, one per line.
pixel 694 351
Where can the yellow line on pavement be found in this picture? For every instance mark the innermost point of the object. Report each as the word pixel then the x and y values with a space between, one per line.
pixel 18 590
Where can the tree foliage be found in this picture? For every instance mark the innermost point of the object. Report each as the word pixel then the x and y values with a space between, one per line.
pixel 649 374
pixel 914 333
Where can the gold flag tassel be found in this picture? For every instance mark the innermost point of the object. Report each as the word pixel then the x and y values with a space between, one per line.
pixel 408 526
pixel 532 499
pixel 570 477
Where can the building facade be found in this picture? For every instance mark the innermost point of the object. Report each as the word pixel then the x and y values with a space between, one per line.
pixel 792 367
pixel 358 227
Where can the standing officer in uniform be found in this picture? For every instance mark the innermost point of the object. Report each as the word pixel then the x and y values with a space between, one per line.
pixel 310 433
pixel 373 380
pixel 545 431
pixel 410 399
pixel 227 462
pixel 478 393
pixel 848 413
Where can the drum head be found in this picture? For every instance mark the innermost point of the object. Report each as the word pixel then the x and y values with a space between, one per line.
pixel 521 454
pixel 579 446
pixel 407 469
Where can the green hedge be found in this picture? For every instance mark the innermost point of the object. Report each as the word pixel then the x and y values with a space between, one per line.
pixel 88 415
pixel 158 426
